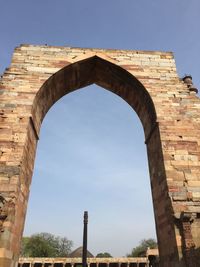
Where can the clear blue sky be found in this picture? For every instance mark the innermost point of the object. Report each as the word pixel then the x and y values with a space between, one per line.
pixel 91 154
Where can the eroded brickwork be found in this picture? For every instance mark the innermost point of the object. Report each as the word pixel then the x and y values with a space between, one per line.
pixel 170 113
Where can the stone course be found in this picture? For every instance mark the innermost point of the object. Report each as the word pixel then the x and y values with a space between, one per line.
pixel 169 112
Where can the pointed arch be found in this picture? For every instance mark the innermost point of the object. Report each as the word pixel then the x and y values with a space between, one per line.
pixel 103 73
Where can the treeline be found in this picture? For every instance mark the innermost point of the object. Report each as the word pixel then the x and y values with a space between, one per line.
pixel 144 244
pixel 45 245
pixel 49 245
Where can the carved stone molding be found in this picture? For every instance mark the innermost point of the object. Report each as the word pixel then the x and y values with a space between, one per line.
pixel 3 212
pixel 6 207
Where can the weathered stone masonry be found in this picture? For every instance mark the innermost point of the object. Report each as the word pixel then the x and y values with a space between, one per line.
pixel 170 114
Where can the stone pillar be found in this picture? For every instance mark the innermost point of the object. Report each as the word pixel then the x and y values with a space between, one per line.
pixel 189 246
pixel 161 201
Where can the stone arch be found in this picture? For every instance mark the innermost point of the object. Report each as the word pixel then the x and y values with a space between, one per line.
pixel 118 81
pixel 115 79
pixel 168 110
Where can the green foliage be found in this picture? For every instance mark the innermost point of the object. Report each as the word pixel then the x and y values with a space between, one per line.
pixel 103 255
pixel 45 245
pixel 142 247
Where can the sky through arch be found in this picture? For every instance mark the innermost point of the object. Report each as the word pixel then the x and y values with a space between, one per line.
pixel 91 156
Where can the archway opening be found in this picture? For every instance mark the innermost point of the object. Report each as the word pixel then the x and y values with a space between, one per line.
pixel 92 156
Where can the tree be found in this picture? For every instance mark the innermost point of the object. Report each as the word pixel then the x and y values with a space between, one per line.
pixel 103 255
pixel 64 246
pixel 139 250
pixel 45 245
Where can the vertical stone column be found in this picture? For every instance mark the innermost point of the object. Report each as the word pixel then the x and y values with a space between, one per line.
pixel 15 193
pixel 161 201
pixel 188 244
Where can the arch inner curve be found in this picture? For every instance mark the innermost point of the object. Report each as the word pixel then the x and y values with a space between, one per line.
pixel 103 73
